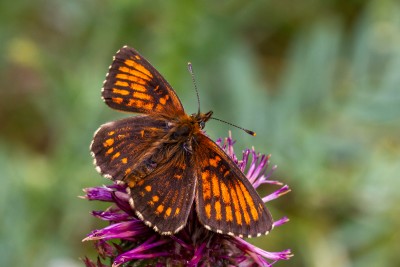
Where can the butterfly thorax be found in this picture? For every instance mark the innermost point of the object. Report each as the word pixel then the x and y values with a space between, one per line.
pixel 185 129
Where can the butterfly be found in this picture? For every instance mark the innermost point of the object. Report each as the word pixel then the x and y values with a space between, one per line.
pixel 166 161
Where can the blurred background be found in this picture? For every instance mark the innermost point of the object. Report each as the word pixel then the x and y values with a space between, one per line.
pixel 317 80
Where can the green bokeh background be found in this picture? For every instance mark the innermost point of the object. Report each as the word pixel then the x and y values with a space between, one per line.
pixel 319 81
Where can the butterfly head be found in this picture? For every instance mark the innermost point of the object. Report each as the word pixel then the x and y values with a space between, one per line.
pixel 202 118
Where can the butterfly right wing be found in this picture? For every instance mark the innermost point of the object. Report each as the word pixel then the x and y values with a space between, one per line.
pixel 121 148
pixel 133 84
pixel 226 202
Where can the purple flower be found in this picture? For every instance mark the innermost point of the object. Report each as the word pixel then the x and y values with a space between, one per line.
pixel 128 241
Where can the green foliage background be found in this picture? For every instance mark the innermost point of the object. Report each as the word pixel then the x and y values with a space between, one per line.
pixel 317 80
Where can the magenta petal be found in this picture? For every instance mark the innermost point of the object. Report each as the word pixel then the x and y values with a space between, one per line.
pixel 98 193
pixel 282 255
pixel 281 221
pixel 120 230
pixel 197 256
pixel 245 158
pixel 143 251
pixel 283 190
pixel 110 215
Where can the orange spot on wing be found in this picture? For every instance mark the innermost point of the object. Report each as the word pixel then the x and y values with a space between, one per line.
pixel 236 206
pixel 121 83
pixel 109 151
pixel 134 79
pixel 249 201
pixel 142 96
pixel 215 186
pixel 120 91
pixel 122 76
pixel 128 171
pixel 229 215
pixel 136 73
pixel 108 142
pixel 159 108
pixel 160 209
pixel 163 100
pixel 117 100
pixel 111 133
pixel 148 188
pixel 177 211
pixel 155 198
pixel 214 162
pixel 124 160
pixel 144 70
pixel 226 198
pixel 148 106
pixel 130 62
pixel 168 212
pixel 207 209
pixel 206 185
pixel 243 204
pixel 218 215
pixel 140 104
pixel 140 71
pixel 139 87
pixel 116 155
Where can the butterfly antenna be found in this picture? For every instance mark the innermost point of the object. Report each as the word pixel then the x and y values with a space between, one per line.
pixel 190 68
pixel 231 124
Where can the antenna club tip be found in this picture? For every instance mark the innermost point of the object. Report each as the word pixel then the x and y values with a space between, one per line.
pixel 251 132
pixel 190 68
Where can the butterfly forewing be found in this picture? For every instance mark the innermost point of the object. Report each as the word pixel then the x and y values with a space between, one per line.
pixel 226 202
pixel 133 84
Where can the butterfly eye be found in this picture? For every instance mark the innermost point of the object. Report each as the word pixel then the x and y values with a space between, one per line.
pixel 202 124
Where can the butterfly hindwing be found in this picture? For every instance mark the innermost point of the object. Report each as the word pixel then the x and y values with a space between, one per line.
pixel 121 148
pixel 226 202
pixel 133 84
pixel 164 198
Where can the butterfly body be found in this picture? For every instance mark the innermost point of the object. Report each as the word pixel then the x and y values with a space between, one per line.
pixel 166 160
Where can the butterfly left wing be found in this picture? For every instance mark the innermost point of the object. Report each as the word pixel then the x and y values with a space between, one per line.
pixel 226 202
pixel 120 148
pixel 133 84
